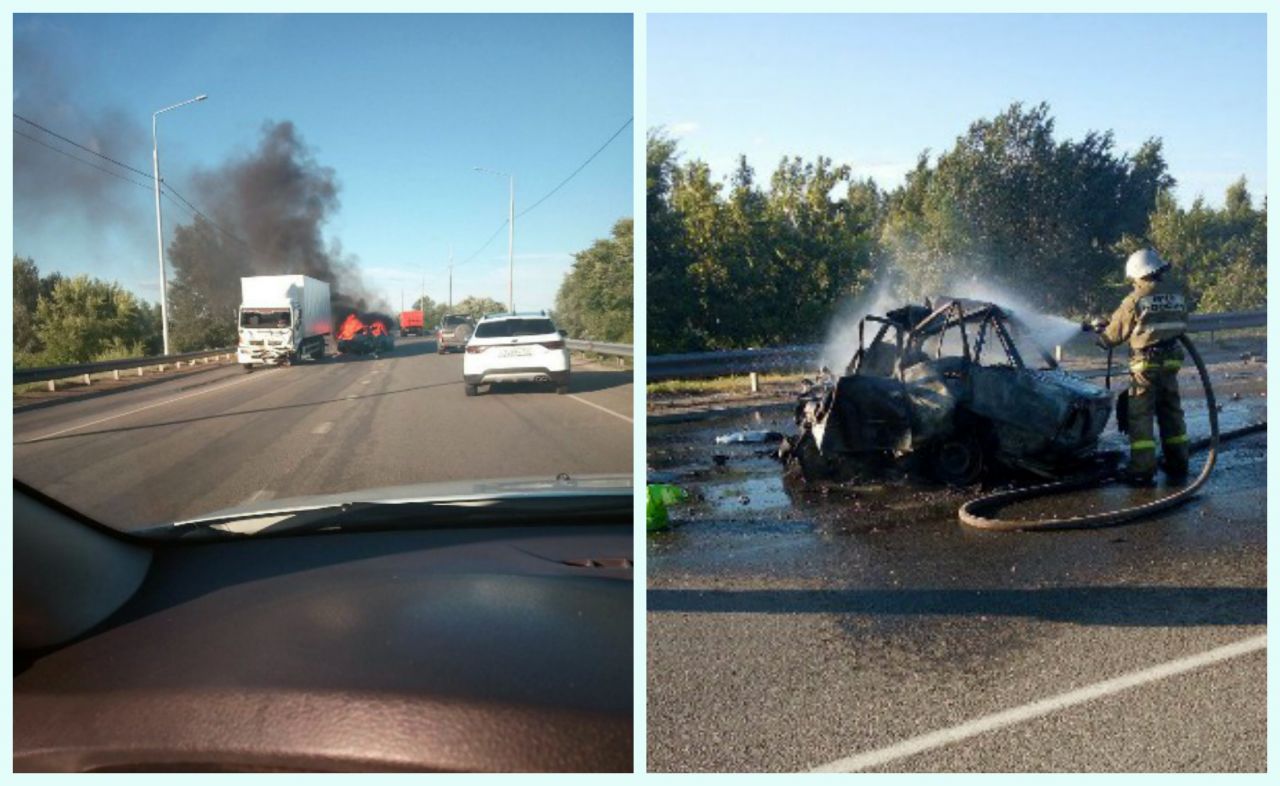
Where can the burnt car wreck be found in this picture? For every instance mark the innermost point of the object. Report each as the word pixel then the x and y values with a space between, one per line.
pixel 942 391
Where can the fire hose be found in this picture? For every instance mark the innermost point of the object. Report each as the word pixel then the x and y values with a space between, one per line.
pixel 977 513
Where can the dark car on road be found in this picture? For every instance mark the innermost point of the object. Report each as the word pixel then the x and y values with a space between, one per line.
pixel 942 390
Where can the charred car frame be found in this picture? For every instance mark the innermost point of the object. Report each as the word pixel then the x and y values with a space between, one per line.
pixel 942 390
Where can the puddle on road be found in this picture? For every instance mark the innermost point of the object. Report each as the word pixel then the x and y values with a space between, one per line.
pixel 741 486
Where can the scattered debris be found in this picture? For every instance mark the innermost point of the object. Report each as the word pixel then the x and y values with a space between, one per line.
pixel 740 437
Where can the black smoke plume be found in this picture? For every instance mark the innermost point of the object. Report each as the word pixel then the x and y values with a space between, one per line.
pixel 48 187
pixel 266 212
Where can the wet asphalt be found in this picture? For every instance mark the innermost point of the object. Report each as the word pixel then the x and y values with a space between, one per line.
pixel 790 626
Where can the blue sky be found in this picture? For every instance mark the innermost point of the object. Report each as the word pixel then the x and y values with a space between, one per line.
pixel 401 107
pixel 874 91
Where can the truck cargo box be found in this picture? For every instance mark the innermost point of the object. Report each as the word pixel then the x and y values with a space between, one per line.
pixel 310 295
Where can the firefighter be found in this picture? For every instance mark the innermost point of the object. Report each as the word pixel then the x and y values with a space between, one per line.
pixel 1150 319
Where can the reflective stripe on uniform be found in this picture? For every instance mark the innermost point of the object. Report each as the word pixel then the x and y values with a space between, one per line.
pixel 1179 326
pixel 1181 439
pixel 1142 444
pixel 1155 365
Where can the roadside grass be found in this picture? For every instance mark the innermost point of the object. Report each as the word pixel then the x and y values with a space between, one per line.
pixel 615 361
pixel 730 384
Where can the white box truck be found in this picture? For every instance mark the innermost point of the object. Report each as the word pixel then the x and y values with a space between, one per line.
pixel 282 319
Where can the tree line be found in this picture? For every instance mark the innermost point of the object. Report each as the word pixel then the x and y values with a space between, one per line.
pixel 59 320
pixel 733 264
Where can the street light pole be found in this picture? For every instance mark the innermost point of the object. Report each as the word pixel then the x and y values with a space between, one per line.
pixel 155 175
pixel 511 237
pixel 511 245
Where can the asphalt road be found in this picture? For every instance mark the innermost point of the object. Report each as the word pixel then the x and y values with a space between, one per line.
pixel 790 629
pixel 222 438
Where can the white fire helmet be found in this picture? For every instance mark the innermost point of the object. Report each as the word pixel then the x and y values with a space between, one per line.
pixel 1143 263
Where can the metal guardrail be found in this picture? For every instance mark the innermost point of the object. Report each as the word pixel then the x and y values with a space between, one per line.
pixel 46 373
pixel 53 373
pixel 600 347
pixel 804 357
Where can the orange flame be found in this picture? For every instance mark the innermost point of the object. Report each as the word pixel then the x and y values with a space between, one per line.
pixel 350 327
pixel 353 325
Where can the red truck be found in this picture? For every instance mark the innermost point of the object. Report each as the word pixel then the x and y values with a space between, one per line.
pixel 411 323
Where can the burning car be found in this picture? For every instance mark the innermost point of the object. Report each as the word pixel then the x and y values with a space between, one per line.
pixel 942 390
pixel 365 336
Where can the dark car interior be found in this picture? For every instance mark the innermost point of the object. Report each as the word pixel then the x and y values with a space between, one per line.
pixel 456 648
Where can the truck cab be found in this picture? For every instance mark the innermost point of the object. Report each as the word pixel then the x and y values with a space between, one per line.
pixel 282 319
pixel 267 334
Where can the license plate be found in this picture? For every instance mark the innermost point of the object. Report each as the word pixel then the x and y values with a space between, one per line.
pixel 514 352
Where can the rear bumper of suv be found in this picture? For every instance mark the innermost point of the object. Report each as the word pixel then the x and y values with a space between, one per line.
pixel 524 374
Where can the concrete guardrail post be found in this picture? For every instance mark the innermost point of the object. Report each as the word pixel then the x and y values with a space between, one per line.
pixel 87 380
pixel 115 374
pixel 53 386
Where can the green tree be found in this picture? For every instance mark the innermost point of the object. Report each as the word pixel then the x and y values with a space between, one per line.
pixel 26 296
pixel 595 298
pixel 674 321
pixel 1222 254
pixel 86 319
pixel 204 296
pixel 432 312
pixel 743 266
pixel 1010 205
pixel 477 307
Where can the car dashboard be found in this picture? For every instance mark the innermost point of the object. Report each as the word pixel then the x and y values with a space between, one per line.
pixel 483 649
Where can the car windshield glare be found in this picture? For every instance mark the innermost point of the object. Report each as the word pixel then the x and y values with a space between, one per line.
pixel 511 328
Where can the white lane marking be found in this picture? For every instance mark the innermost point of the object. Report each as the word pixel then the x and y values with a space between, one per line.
pixel 140 409
pixel 259 494
pixel 323 428
pixel 602 409
pixel 365 381
pixel 1036 709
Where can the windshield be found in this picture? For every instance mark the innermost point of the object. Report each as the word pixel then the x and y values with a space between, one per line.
pixel 264 318
pixel 290 359
pixel 504 328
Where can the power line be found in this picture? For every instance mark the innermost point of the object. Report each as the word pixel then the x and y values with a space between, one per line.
pixel 550 193
pixel 575 172
pixel 501 227
pixel 166 190
pixel 81 160
pixel 82 147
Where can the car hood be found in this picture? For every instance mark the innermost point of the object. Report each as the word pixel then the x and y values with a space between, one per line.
pixel 450 491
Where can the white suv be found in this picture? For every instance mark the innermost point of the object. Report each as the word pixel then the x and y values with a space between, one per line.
pixel 516 348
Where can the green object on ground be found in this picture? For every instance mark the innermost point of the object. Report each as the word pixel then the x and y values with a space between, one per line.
pixel 658 497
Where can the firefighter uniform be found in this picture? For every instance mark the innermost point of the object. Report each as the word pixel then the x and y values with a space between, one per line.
pixel 1150 319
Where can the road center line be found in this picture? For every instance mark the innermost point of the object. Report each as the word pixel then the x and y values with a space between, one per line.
pixel 323 428
pixel 139 409
pixel 602 409
pixel 1036 709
